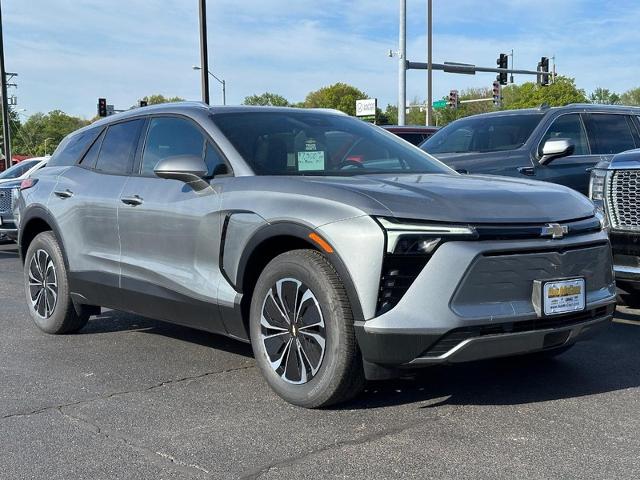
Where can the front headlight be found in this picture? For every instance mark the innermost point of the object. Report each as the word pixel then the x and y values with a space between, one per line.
pixel 598 181
pixel 409 238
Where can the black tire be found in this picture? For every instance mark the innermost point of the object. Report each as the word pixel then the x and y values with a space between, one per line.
pixel 52 314
pixel 338 375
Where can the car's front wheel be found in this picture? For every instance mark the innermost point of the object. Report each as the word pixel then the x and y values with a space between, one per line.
pixel 47 288
pixel 302 331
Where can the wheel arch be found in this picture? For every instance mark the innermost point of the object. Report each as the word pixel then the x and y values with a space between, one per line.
pixel 275 239
pixel 35 221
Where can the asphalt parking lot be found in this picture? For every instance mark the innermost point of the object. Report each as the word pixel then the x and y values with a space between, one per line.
pixel 129 397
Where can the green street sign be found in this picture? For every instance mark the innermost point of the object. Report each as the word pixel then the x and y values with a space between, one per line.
pixel 439 105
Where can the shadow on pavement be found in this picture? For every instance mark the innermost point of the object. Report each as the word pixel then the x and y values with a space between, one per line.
pixel 608 362
pixel 112 321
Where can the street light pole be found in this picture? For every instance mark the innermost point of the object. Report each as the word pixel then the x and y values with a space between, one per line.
pixel 221 81
pixel 204 53
pixel 429 62
pixel 6 136
pixel 402 65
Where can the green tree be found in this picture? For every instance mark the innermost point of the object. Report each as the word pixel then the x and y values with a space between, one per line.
pixel 530 95
pixel 266 99
pixel 339 96
pixel 42 133
pixel 603 96
pixel 157 99
pixel 631 97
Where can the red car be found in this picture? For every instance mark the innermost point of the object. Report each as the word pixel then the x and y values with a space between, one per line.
pixel 414 134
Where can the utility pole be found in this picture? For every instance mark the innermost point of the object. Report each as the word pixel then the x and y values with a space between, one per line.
pixel 6 131
pixel 402 65
pixel 204 53
pixel 429 62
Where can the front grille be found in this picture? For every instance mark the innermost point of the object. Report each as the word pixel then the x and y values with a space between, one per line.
pixel 459 335
pixel 624 186
pixel 5 201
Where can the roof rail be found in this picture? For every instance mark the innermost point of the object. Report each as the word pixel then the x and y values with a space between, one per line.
pixel 544 106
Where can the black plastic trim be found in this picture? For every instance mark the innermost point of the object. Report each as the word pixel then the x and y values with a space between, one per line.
pixel 301 232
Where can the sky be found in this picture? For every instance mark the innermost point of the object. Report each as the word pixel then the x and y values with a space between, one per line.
pixel 68 53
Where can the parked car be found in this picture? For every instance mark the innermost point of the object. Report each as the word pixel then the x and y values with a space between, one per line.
pixel 414 134
pixel 244 221
pixel 10 181
pixel 22 170
pixel 559 145
pixel 615 188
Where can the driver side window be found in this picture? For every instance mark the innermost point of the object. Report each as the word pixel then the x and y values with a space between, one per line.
pixel 568 127
pixel 170 137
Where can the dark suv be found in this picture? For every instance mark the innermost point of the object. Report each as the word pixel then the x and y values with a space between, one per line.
pixel 559 145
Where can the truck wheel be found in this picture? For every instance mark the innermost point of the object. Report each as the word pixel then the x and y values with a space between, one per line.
pixel 302 331
pixel 47 288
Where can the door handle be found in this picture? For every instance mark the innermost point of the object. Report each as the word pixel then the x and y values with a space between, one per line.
pixel 63 193
pixel 134 201
pixel 528 171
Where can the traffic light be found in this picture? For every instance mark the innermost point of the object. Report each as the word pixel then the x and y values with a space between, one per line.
pixel 503 62
pixel 102 107
pixel 453 99
pixel 497 93
pixel 143 103
pixel 543 68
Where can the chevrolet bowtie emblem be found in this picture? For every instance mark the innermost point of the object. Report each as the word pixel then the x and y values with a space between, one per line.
pixel 554 230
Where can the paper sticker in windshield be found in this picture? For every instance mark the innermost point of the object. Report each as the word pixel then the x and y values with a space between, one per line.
pixel 310 161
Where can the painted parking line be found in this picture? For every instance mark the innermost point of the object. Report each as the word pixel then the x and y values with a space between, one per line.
pixel 627 322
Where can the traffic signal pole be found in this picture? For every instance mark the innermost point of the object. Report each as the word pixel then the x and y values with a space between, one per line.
pixel 429 62
pixel 466 68
pixel 6 131
pixel 204 52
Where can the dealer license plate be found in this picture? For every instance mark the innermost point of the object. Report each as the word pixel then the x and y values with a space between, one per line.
pixel 563 296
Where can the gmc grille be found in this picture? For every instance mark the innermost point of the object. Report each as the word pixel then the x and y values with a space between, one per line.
pixel 5 201
pixel 624 187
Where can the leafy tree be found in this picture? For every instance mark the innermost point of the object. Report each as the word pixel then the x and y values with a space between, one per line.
pixel 531 95
pixel 157 99
pixel 603 96
pixel 631 97
pixel 339 96
pixel 266 99
pixel 42 133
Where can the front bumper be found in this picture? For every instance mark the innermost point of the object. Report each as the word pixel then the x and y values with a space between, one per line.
pixel 473 301
pixel 626 256
pixel 8 230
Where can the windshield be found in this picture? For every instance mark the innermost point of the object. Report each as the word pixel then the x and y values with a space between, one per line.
pixel 18 170
pixel 483 134
pixel 308 143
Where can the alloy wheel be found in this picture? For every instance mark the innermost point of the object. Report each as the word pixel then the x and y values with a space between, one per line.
pixel 293 331
pixel 43 284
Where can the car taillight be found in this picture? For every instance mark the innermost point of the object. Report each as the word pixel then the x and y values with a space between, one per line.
pixel 28 183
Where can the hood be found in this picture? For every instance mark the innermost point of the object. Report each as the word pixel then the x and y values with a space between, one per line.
pixel 622 161
pixel 464 198
pixel 474 162
pixel 8 184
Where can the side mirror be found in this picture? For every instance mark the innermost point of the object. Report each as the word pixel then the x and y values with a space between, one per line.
pixel 556 148
pixel 186 168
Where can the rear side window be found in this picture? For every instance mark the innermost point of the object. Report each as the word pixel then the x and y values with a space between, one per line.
pixel 118 147
pixel 610 134
pixel 170 137
pixel 568 127
pixel 72 147
pixel 91 157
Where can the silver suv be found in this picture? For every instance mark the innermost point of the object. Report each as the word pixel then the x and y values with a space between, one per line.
pixel 338 250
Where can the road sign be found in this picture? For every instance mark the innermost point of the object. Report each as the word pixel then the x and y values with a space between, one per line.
pixel 366 108
pixel 439 105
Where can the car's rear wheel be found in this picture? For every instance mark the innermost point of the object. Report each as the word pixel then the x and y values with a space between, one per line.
pixel 302 331
pixel 47 288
